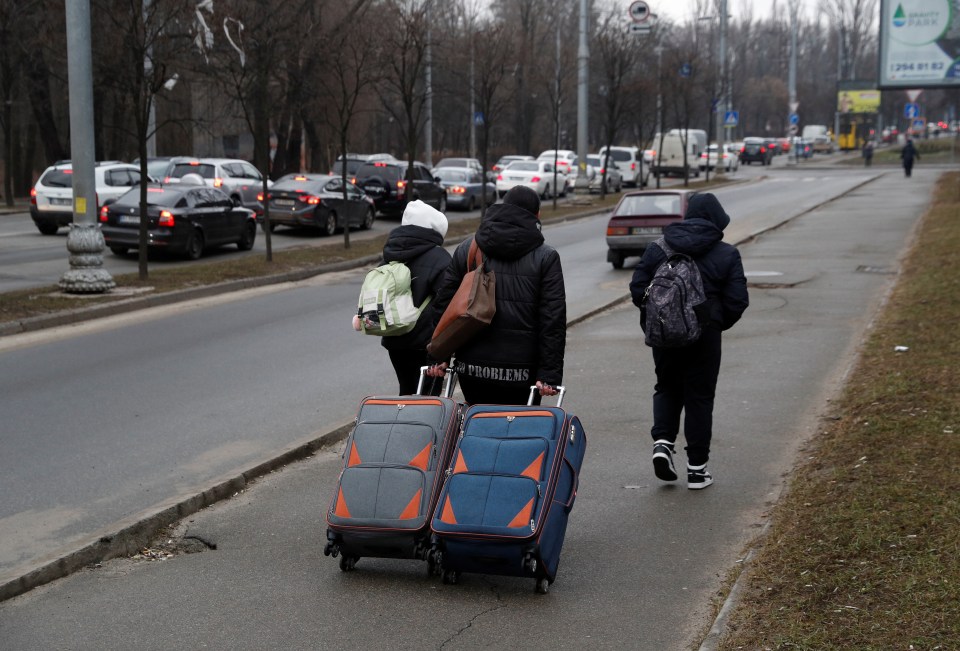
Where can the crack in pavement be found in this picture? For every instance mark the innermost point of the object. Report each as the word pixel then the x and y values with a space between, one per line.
pixel 500 604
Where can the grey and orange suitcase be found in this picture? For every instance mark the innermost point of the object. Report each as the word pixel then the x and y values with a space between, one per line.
pixel 392 473
pixel 510 487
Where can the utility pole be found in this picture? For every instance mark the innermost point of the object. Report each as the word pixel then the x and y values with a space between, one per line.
pixel 724 103
pixel 85 241
pixel 583 78
pixel 792 79
pixel 428 126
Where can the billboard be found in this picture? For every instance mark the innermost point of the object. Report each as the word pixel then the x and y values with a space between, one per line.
pixel 919 44
pixel 858 101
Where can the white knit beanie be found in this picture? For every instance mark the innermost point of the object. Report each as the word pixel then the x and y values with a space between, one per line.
pixel 418 213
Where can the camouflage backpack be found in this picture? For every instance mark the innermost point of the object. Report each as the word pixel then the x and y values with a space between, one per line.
pixel 669 306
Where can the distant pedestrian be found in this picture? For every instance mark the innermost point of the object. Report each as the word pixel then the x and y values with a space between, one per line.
pixel 868 153
pixel 687 376
pixel 908 153
pixel 524 345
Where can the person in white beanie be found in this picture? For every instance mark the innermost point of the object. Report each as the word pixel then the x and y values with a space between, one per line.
pixel 418 243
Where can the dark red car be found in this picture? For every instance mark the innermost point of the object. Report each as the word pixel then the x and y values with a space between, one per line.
pixel 638 220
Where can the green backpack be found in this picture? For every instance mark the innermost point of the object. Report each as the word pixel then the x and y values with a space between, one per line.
pixel 386 306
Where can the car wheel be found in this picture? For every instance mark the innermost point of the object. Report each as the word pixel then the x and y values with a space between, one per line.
pixel 329 226
pixel 443 203
pixel 471 204
pixel 616 260
pixel 119 250
pixel 367 222
pixel 546 193
pixel 48 229
pixel 194 248
pixel 247 237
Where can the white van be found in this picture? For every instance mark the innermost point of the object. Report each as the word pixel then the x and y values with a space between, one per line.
pixel 670 159
pixel 630 162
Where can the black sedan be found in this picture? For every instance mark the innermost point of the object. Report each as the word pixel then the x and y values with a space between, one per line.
pixel 316 201
pixel 183 219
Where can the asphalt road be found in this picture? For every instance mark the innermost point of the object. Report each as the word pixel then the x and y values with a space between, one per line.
pixel 642 560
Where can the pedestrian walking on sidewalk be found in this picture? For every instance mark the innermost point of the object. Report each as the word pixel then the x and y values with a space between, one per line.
pixel 687 376
pixel 868 153
pixel 907 154
pixel 418 243
pixel 525 342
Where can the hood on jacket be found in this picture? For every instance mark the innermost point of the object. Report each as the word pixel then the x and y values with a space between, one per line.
pixel 508 232
pixel 704 205
pixel 418 213
pixel 407 242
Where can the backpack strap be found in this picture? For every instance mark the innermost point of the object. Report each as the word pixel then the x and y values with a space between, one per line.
pixel 475 256
pixel 662 243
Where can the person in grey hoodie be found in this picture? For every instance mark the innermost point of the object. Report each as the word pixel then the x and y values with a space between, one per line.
pixel 687 376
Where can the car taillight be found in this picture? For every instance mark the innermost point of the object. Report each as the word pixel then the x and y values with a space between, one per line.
pixel 400 186
pixel 259 196
pixel 218 182
pixel 743 149
pixel 763 151
pixel 33 196
pixel 499 177
pixel 618 230
pixel 535 179
pixel 602 171
pixel 633 166
pixel 309 199
pixel 104 212
pixel 166 219
pixel 354 180
pixel 457 189
pixel 703 155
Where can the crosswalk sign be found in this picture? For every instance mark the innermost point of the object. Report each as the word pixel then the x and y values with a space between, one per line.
pixel 731 118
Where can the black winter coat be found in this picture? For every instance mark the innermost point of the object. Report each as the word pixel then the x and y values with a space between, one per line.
pixel 421 249
pixel 720 265
pixel 527 338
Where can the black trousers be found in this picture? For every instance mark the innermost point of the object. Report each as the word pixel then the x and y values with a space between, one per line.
pixel 478 391
pixel 406 364
pixel 686 384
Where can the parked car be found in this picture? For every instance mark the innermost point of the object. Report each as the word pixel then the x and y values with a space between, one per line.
pixel 729 159
pixel 315 201
pixel 566 159
pixel 802 148
pixel 466 187
pixel 51 199
pixel 506 160
pixel 386 181
pixel 629 159
pixel 772 145
pixel 185 219
pixel 352 163
pixel 155 166
pixel 638 219
pixel 238 179
pixel 472 163
pixel 755 151
pixel 611 171
pixel 538 175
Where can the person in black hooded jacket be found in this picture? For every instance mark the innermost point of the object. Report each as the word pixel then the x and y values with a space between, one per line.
pixel 418 243
pixel 687 376
pixel 525 343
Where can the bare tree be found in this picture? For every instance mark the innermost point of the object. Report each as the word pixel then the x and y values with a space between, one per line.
pixel 616 52
pixel 854 23
pixel 491 67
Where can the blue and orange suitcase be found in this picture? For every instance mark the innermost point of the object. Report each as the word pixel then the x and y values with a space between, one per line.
pixel 510 487
pixel 392 473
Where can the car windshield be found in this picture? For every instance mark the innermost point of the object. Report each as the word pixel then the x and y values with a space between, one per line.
pixel 182 169
pixel 452 176
pixel 453 162
pixel 311 185
pixel 620 155
pixel 649 204
pixel 352 166
pixel 164 196
pixel 524 166
pixel 384 171
pixel 58 179
pixel 594 160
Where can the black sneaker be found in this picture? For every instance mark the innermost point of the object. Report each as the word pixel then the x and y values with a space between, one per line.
pixel 663 460
pixel 698 477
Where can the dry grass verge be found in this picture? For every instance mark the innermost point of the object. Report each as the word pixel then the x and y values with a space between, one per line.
pixel 863 551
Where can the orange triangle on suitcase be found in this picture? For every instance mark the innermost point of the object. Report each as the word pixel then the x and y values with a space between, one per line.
pixel 341 509
pixel 422 460
pixel 533 470
pixel 354 456
pixel 523 518
pixel 461 464
pixel 447 514
pixel 413 508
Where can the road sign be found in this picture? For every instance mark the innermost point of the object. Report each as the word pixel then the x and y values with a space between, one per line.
pixel 686 70
pixel 478 118
pixel 794 119
pixel 639 11
pixel 911 110
pixel 919 124
pixel 914 94
pixel 794 106
pixel 639 28
pixel 731 118
pixel 794 129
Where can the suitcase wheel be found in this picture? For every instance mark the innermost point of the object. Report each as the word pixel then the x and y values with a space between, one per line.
pixel 542 586
pixel 530 563
pixel 433 566
pixel 451 577
pixel 348 563
pixel 331 549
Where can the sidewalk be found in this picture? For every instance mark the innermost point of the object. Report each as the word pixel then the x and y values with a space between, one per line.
pixel 642 560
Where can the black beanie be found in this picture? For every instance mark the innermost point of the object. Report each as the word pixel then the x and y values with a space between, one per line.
pixel 523 197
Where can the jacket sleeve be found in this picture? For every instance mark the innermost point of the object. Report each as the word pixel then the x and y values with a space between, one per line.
pixel 553 320
pixel 440 263
pixel 734 298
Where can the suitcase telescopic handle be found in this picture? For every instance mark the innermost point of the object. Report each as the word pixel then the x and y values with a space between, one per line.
pixel 560 391
pixel 449 382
